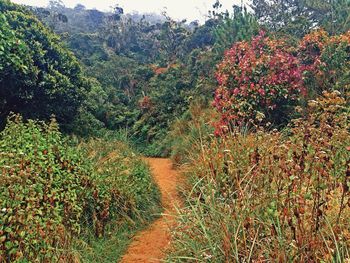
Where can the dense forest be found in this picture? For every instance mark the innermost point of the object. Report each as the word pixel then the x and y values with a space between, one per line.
pixel 252 106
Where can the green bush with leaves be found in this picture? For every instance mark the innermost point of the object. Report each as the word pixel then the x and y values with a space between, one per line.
pixel 43 189
pixel 53 194
pixel 124 189
pixel 38 75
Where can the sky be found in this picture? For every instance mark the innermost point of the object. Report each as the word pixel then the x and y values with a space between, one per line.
pixel 177 9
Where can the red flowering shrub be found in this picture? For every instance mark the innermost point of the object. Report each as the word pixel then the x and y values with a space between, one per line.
pixel 261 80
pixel 327 62
pixel 258 82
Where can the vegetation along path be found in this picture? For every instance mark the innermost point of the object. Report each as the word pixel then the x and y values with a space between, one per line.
pixel 150 244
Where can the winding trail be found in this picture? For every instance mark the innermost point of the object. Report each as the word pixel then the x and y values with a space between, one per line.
pixel 150 245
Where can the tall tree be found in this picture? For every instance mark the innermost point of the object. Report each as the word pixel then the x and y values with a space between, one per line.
pixel 238 26
pixel 38 75
pixel 299 17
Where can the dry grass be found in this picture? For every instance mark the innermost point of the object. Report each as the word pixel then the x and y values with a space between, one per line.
pixel 271 196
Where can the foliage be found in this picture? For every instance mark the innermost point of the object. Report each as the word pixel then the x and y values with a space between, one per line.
pixel 126 188
pixel 171 39
pixel 338 19
pixel 54 195
pixel 269 195
pixel 167 94
pixel 327 61
pixel 91 118
pixel 239 26
pixel 124 201
pixel 298 18
pixel 187 132
pixel 137 60
pixel 38 75
pixel 258 81
pixel 87 48
pixel 123 81
pixel 44 185
pixel 133 39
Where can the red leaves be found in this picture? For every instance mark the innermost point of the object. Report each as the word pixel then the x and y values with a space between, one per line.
pixel 261 92
pixel 254 75
pixel 145 103
pixel 266 75
pixel 324 59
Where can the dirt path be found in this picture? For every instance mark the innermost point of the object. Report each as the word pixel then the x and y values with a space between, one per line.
pixel 150 244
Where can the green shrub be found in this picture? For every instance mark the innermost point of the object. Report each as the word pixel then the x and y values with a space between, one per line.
pixel 125 199
pixel 124 185
pixel 39 76
pixel 54 193
pixel 43 189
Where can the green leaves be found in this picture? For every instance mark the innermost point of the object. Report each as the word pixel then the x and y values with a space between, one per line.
pixel 50 192
pixel 38 76
pixel 43 190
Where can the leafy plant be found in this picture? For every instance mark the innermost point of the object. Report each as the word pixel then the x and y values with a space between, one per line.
pixel 44 186
pixel 258 82
pixel 54 195
pixel 326 59
pixel 38 75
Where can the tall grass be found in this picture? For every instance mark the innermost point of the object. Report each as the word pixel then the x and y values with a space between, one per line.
pixel 280 196
pixel 127 199
pixel 190 132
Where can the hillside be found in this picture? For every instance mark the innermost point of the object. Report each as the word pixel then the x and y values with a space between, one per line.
pixel 251 110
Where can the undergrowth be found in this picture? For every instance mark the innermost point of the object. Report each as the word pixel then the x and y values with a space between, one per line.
pixel 61 202
pixel 120 172
pixel 268 195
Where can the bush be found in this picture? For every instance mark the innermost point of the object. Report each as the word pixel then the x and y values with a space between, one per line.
pixel 259 81
pixel 38 75
pixel 124 187
pixel 53 194
pixel 326 61
pixel 270 195
pixel 43 190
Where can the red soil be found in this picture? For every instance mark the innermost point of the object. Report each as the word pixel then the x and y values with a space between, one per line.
pixel 150 245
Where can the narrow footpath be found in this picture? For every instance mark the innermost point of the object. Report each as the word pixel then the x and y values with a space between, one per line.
pixel 150 245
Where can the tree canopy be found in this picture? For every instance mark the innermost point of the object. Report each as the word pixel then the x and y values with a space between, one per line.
pixel 39 76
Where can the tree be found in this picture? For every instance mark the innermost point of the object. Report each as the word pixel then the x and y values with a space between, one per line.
pixel 171 38
pixel 238 26
pixel 79 8
pixel 38 76
pixel 56 5
pixel 338 18
pixel 299 17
